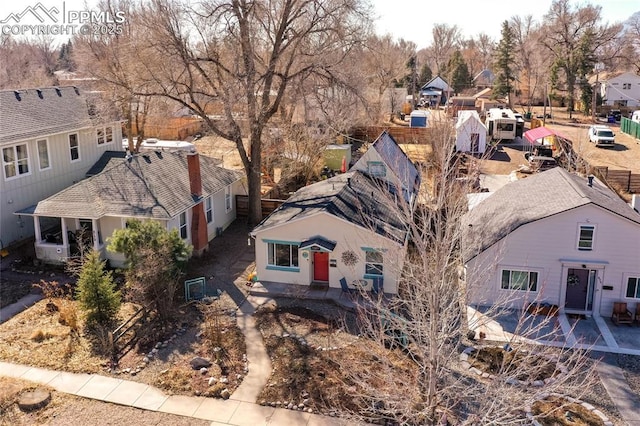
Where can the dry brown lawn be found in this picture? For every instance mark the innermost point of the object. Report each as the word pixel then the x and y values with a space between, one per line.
pixel 54 339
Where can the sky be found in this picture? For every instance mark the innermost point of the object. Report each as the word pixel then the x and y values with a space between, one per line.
pixel 413 20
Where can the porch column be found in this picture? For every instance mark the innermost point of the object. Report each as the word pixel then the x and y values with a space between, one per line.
pixel 65 237
pixel 36 227
pixel 94 227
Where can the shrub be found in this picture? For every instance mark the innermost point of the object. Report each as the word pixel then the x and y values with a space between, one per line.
pixel 68 314
pixel 40 335
pixel 156 259
pixel 96 291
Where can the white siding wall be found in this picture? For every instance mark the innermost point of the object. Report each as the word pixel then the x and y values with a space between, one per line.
pixel 23 191
pixel 615 91
pixel 346 236
pixel 540 245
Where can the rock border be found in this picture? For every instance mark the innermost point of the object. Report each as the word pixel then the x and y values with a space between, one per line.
pixel 586 405
pixel 464 360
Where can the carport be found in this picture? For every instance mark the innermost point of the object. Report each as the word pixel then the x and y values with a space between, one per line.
pixel 545 137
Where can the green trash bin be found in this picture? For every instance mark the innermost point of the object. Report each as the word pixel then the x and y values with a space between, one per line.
pixel 527 116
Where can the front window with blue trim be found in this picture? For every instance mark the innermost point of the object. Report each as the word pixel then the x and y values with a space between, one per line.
pixel 282 255
pixel 374 263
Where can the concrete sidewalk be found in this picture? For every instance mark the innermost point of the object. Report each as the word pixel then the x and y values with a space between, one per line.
pixel 124 392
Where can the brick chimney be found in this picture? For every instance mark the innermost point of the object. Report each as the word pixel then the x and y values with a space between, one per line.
pixel 199 237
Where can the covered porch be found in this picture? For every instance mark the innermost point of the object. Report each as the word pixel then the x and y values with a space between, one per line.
pixel 57 239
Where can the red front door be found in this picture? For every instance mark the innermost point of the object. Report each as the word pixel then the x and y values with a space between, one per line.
pixel 320 266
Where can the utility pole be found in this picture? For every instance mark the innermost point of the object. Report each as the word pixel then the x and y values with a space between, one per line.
pixel 544 107
pixel 595 97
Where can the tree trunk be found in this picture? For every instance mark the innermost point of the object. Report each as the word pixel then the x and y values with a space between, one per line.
pixel 255 179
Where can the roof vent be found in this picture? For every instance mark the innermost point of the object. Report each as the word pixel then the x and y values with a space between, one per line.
pixel 39 92
pixel 590 178
pixel 17 95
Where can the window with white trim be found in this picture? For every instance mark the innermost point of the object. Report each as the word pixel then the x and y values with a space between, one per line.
pixel 519 280
pixel 228 199
pixel 208 209
pixel 74 147
pixel 43 154
pixel 585 237
pixel 626 86
pixel 282 254
pixel 183 225
pixel 374 261
pixel 633 287
pixel 15 161
pixel 104 135
pixel 108 134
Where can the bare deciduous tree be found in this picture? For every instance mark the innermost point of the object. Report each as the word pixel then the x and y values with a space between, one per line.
pixel 446 39
pixel 428 322
pixel 565 30
pixel 232 61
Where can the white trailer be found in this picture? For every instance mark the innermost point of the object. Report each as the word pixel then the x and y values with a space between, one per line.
pixel 501 124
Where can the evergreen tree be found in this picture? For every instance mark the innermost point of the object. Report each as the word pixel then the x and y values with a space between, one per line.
pixel 456 72
pixel 425 75
pixel 156 259
pixel 96 291
pixel 586 60
pixel 65 57
pixel 505 60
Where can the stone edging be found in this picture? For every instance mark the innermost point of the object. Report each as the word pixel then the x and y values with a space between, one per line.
pixel 569 399
pixel 464 359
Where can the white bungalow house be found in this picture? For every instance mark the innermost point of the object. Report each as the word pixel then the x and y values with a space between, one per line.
pixel 620 89
pixel 554 238
pixel 181 190
pixel 471 133
pixel 346 227
pixel 48 142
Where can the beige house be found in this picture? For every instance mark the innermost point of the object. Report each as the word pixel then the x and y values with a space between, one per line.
pixel 48 142
pixel 183 191
pixel 346 227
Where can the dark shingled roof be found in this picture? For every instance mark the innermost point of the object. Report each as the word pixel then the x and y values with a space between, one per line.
pixel 398 161
pixel 150 185
pixel 106 160
pixel 528 200
pixel 28 113
pixel 352 196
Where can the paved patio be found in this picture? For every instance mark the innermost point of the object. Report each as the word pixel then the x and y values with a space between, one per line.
pixel 593 333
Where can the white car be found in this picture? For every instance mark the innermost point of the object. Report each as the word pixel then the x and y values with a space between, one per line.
pixel 602 135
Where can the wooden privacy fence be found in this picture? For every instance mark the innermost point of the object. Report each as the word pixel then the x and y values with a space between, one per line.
pixel 403 135
pixel 268 205
pixel 620 179
pixel 176 128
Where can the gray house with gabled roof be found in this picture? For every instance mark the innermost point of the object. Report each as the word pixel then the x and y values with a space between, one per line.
pixel 48 142
pixel 352 226
pixel 185 191
pixel 555 238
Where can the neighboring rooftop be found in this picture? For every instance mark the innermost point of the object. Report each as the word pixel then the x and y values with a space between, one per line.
pixel 353 196
pixel 150 185
pixel 398 161
pixel 536 197
pixel 29 113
